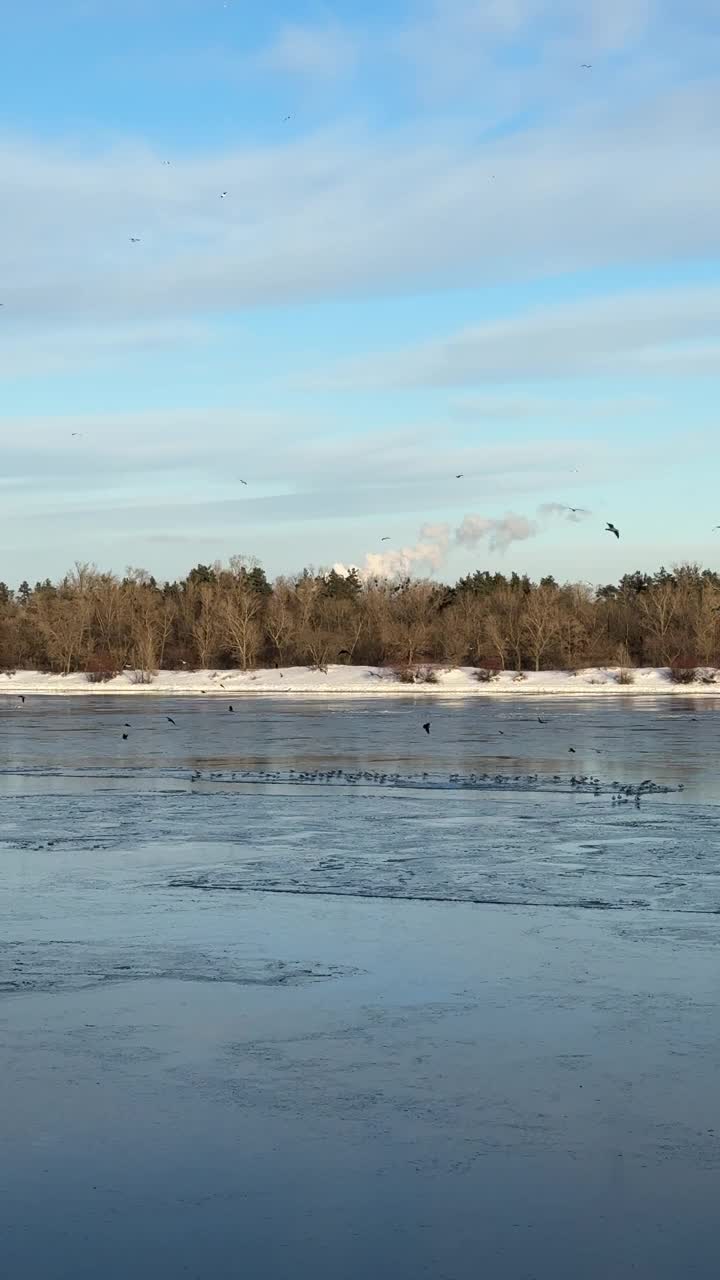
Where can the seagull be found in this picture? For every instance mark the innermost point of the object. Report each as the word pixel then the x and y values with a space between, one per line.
pixel 610 528
pixel 541 721
pixel 124 737
pixel 170 720
pixel 577 510
pixel 426 727
pixel 286 118
pixel 230 708
pixel 76 433
pixel 461 476
pixel 21 696
pixel 572 749
pixel 586 66
pixel 386 538
pixel 134 239
pixel 126 725
pixel 243 482
pixel 223 195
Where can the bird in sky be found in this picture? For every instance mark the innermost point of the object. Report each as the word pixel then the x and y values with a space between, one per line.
pixel 231 708
pixel 126 725
pixel 610 528
pixel 76 433
pixel 243 482
pixel 572 749
pixel 169 719
pixel 586 66
pixel 134 239
pixel 577 511
pixel 223 195
pixel 715 527
pixel 125 737
pixel 286 118
pixel 386 538
pixel 426 726
pixel 461 476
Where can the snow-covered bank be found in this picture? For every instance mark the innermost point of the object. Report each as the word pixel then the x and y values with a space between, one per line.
pixel 368 682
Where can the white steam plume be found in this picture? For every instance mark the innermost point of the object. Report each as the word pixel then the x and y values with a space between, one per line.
pixel 435 540
pixel 428 554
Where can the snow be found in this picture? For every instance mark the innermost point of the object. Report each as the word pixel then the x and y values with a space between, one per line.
pixel 364 682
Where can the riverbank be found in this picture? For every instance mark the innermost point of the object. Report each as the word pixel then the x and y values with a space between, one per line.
pixel 338 680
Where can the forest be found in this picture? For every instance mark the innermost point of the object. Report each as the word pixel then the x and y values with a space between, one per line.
pixel 233 616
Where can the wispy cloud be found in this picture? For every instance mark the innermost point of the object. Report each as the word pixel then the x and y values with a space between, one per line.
pixel 314 53
pixel 518 408
pixel 620 334
pixel 397 212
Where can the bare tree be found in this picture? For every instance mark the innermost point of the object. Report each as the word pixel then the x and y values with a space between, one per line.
pixel 541 621
pixel 241 612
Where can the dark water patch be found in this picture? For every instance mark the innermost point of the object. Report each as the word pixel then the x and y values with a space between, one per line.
pixel 75 964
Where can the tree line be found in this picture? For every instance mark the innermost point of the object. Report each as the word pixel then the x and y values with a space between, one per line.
pixel 232 616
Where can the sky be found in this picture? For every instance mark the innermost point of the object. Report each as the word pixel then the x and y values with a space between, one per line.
pixel 346 254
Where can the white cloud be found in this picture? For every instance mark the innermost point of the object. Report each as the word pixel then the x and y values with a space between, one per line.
pixel 316 53
pixel 509 408
pixel 626 333
pixel 32 352
pixel 342 214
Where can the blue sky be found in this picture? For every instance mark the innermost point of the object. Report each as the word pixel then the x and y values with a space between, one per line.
pixel 463 252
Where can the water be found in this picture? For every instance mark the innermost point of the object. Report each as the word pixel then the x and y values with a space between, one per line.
pixel 300 989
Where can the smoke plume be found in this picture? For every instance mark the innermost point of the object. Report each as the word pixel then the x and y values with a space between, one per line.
pixel 436 540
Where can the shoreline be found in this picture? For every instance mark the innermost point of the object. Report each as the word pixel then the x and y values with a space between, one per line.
pixel 363 682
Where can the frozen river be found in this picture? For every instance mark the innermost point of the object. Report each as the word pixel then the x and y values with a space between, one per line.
pixel 299 989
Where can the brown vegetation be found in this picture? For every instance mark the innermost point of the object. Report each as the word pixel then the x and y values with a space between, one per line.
pixel 231 616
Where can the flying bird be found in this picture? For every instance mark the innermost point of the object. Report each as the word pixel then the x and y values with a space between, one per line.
pixel 21 696
pixel 126 725
pixel 572 749
pixel 344 653
pixel 230 708
pixel 386 538
pixel 243 482
pixel 586 66
pixel 610 528
pixel 170 720
pixel 541 721
pixel 125 737
pixel 223 195
pixel 461 476
pixel 426 726
pixel 577 511
pixel 134 239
